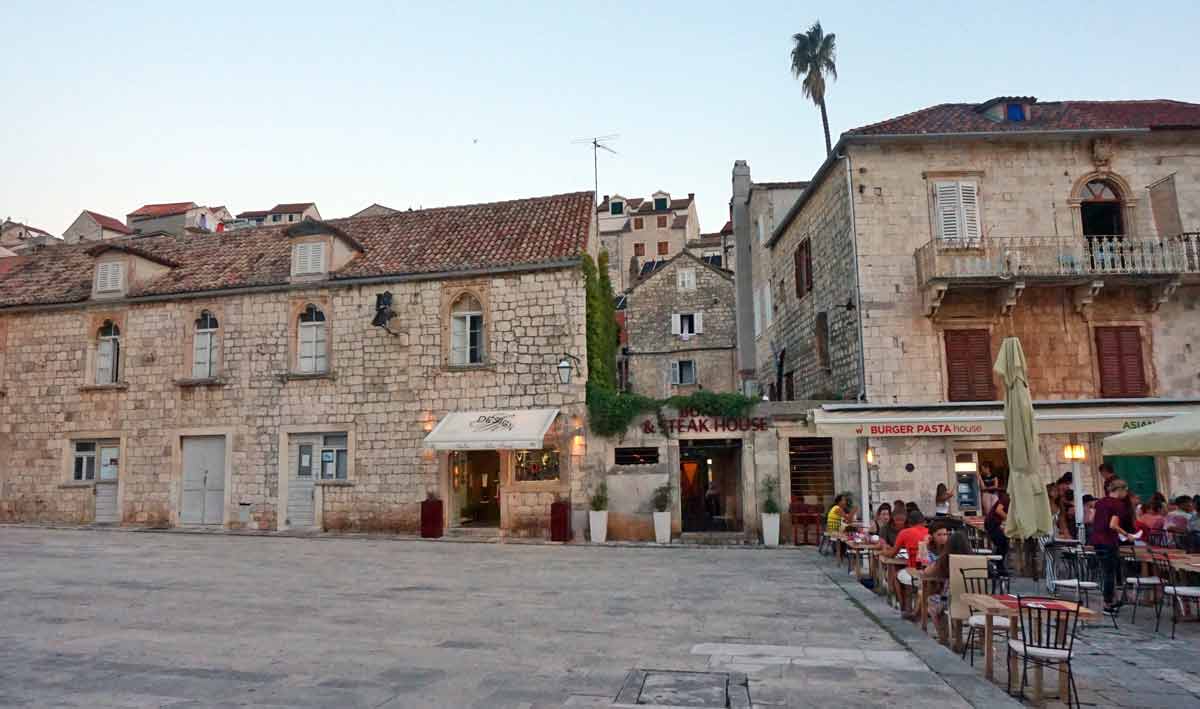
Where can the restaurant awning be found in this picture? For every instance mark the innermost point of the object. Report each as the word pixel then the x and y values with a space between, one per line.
pixel 987 418
pixel 1177 436
pixel 491 430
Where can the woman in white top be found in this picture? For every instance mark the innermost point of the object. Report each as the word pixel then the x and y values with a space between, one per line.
pixel 943 500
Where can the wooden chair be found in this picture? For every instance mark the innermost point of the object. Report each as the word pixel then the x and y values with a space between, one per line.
pixel 962 567
pixel 1047 640
pixel 976 580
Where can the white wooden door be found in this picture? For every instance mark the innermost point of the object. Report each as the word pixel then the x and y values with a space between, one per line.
pixel 203 499
pixel 106 485
pixel 300 485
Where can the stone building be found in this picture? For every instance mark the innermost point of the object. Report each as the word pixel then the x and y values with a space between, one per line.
pixel 174 218
pixel 924 240
pixel 716 248
pixel 18 237
pixel 93 226
pixel 286 214
pixel 679 330
pixel 640 233
pixel 316 375
pixel 374 210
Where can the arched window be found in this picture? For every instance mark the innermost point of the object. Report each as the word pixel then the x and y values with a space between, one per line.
pixel 108 354
pixel 204 349
pixel 466 331
pixel 1101 209
pixel 314 357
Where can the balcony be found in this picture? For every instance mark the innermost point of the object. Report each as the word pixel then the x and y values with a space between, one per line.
pixel 1009 264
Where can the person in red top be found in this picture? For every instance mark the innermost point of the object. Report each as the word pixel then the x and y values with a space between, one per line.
pixel 910 537
pixel 1109 527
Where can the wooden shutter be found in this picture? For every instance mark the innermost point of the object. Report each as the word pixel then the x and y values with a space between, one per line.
pixel 808 269
pixel 698 319
pixel 946 210
pixel 798 269
pixel 675 327
pixel 108 277
pixel 1122 371
pixel 968 193
pixel 674 372
pixel 757 311
pixel 969 365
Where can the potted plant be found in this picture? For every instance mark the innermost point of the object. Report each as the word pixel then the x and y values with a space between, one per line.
pixel 598 514
pixel 770 511
pixel 662 514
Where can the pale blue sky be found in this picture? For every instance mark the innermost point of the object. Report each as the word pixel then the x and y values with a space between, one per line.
pixel 249 104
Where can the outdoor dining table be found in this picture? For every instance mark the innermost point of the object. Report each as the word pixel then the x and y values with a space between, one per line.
pixel 1006 606
pixel 853 545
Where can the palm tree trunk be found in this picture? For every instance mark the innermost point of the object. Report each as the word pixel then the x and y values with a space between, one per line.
pixel 825 124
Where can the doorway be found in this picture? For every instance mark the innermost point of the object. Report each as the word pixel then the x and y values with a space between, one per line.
pixel 810 463
pixel 475 486
pixel 710 484
pixel 1139 472
pixel 203 481
pixel 109 458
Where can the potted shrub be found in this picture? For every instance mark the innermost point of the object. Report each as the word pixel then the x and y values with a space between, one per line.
pixel 598 514
pixel 662 514
pixel 770 511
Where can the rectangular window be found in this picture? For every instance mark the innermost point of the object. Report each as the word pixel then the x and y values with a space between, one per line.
pixel 639 249
pixel 334 457
pixel 686 279
pixel 639 223
pixel 969 365
pixel 108 360
pixel 85 460
pixel 802 262
pixel 661 221
pixel 687 324
pixel 663 248
pixel 291 217
pixel 616 208
pixel 275 217
pixel 1014 112
pixel 639 455
pixel 304 463
pixel 1122 371
pixel 536 465
pixel 308 258
pixel 957 212
pixel 660 203
pixel 466 339
pixel 109 275
pixel 313 355
pixel 204 365
pixel 683 372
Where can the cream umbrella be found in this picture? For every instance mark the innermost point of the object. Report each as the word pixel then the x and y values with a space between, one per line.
pixel 1029 513
pixel 1175 436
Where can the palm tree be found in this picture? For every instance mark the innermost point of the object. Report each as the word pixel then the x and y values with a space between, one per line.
pixel 813 58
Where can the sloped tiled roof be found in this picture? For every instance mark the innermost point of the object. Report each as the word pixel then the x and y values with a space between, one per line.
pixel 290 208
pixel 646 206
pixel 253 213
pixel 109 223
pixel 1043 116
pixel 166 209
pixel 33 231
pixel 537 231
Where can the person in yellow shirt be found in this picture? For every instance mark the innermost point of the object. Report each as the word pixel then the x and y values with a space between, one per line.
pixel 835 518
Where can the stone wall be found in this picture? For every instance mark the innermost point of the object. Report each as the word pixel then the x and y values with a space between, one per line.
pixel 389 390
pixel 825 223
pixel 651 345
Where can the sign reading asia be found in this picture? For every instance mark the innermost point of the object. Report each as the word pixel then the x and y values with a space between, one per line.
pixel 690 421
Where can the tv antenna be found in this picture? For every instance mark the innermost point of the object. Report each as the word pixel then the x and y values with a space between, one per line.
pixel 598 143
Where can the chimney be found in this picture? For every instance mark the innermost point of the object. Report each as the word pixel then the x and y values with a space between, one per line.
pixel 691 196
pixel 605 198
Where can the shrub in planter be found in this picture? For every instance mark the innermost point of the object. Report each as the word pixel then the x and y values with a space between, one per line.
pixel 662 514
pixel 770 511
pixel 598 514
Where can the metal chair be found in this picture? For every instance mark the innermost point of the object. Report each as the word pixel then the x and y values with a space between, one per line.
pixel 1158 537
pixel 1169 577
pixel 1076 572
pixel 980 581
pixel 1139 583
pixel 1047 640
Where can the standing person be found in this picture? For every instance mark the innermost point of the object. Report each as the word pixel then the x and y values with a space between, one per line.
pixel 942 500
pixel 994 526
pixel 989 486
pixel 1108 531
pixel 1106 474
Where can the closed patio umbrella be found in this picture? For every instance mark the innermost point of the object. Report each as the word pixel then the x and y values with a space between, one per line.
pixel 1029 515
pixel 1175 436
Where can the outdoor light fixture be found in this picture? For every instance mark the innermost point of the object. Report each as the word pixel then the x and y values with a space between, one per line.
pixel 870 456
pixel 565 367
pixel 1074 451
pixel 384 312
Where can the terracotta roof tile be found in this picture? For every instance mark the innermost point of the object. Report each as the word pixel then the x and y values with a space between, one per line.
pixel 108 222
pixel 540 230
pixel 253 213
pixel 1054 115
pixel 290 208
pixel 167 209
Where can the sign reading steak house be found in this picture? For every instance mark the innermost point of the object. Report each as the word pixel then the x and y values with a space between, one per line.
pixel 690 421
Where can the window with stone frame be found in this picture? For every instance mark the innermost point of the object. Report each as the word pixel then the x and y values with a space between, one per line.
pixel 110 278
pixel 536 465
pixel 802 263
pixel 969 365
pixel 312 342
pixel 108 354
pixel 683 372
pixel 84 468
pixel 466 332
pixel 661 221
pixel 334 456
pixel 639 249
pixel 664 248
pixel 1122 369
pixel 205 347
pixel 639 223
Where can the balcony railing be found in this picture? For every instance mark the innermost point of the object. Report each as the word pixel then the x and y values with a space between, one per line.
pixel 1017 257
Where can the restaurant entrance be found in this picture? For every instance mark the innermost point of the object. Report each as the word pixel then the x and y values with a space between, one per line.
pixel 475 486
pixel 710 483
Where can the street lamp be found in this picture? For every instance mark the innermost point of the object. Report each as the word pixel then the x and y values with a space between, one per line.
pixel 565 367
pixel 1075 452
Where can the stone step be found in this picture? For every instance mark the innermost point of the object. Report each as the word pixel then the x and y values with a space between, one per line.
pixel 481 533
pixel 716 538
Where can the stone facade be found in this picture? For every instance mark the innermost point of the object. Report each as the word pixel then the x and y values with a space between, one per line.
pixel 652 347
pixel 386 390
pixel 638 224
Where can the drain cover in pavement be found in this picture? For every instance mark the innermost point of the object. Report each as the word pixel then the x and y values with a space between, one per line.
pixel 703 690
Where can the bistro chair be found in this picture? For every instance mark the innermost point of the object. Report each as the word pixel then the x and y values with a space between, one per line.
pixel 978 581
pixel 1140 584
pixel 1047 640
pixel 1170 578
pixel 1075 571
pixel 1158 538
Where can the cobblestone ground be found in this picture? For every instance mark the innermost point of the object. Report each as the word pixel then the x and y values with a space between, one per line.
pixel 111 618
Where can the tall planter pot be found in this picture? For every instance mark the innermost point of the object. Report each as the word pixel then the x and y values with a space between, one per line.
pixel 662 527
pixel 770 529
pixel 432 524
pixel 598 523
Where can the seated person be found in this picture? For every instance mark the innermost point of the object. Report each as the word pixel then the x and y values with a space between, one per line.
pixel 1152 517
pixel 941 545
pixel 909 540
pixel 1179 520
pixel 835 518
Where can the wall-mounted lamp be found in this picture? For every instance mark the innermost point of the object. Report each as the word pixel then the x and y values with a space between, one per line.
pixel 1074 451
pixel 384 312
pixel 565 367
pixel 870 456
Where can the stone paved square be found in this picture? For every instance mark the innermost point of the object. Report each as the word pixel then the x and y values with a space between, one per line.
pixel 127 619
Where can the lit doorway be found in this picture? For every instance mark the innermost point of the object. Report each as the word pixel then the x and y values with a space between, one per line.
pixel 475 488
pixel 710 483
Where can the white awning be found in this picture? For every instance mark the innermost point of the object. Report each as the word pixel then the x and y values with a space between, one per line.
pixel 491 430
pixel 988 420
